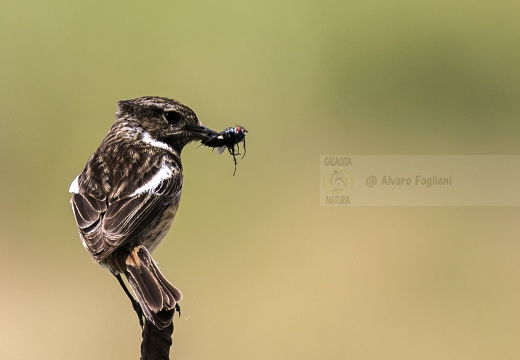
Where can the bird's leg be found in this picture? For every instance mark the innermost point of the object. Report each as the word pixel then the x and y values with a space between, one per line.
pixel 135 303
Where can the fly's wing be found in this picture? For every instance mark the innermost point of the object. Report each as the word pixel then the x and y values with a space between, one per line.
pixel 105 225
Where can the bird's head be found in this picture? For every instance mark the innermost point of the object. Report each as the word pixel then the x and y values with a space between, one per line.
pixel 163 120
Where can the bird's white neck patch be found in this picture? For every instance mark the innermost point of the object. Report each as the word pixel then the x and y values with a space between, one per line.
pixel 164 173
pixel 147 138
pixel 74 187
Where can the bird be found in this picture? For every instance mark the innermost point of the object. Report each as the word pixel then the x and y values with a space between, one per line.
pixel 126 197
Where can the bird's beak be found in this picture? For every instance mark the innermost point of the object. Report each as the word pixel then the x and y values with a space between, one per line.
pixel 200 132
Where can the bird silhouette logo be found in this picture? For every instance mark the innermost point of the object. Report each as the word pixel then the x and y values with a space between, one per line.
pixel 337 181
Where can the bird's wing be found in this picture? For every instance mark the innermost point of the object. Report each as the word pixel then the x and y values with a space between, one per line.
pixel 105 225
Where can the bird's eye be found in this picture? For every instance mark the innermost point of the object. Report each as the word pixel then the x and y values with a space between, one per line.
pixel 172 117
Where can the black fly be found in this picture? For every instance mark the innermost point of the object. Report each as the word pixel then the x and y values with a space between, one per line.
pixel 229 139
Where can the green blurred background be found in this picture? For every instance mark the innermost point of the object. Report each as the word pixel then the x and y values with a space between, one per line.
pixel 266 272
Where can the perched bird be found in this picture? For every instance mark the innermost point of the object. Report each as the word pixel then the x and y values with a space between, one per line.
pixel 126 197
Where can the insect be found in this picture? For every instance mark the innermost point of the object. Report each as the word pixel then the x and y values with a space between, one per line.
pixel 229 139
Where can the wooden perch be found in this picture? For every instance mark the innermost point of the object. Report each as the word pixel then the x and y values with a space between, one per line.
pixel 156 343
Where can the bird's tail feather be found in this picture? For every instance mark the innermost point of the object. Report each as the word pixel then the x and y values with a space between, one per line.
pixel 155 294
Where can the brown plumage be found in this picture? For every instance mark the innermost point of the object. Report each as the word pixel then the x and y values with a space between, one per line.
pixel 126 197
